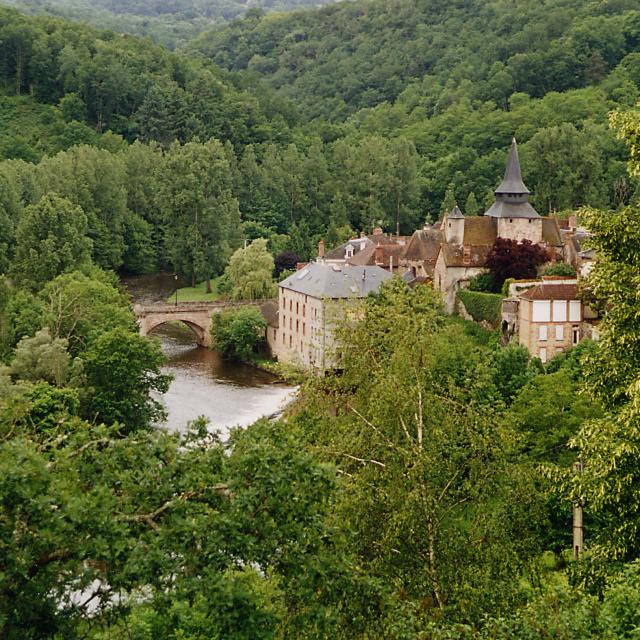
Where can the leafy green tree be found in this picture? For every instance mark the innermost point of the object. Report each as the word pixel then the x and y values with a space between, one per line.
pixel 250 272
pixel 76 306
pixel 560 269
pixel 471 206
pixel 449 201
pixel 42 358
pixel 50 240
pixel 121 370
pixel 238 333
pixel 201 216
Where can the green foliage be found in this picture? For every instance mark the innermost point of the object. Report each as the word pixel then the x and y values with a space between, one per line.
pixel 42 358
pixel 481 282
pixel 121 370
pixel 238 333
pixel 471 206
pixel 50 240
pixel 560 269
pixel 250 272
pixel 482 306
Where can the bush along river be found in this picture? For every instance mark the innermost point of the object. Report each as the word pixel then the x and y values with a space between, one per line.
pixel 227 393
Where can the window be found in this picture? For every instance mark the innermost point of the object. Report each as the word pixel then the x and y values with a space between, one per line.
pixel 541 310
pixel 304 310
pixel 543 354
pixel 290 341
pixel 575 311
pixel 290 305
pixel 304 329
pixel 297 307
pixel 559 310
pixel 542 332
pixel 559 332
pixel 575 337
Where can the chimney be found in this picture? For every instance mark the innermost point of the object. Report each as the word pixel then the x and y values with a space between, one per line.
pixel 391 263
pixel 300 265
pixel 321 249
pixel 573 222
pixel 379 254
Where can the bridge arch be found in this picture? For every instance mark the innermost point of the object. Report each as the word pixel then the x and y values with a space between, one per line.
pixel 200 333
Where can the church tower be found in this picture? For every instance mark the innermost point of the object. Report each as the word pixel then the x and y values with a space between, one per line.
pixel 454 226
pixel 516 219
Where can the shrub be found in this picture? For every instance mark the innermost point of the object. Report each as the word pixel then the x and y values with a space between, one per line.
pixel 560 269
pixel 482 306
pixel 512 259
pixel 482 282
pixel 237 333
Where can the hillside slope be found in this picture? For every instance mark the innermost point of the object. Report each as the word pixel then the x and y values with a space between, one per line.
pixel 170 23
pixel 354 55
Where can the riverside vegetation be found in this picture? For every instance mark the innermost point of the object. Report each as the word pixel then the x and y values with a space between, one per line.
pixel 424 490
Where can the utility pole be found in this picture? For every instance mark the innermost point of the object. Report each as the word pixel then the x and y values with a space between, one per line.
pixel 578 528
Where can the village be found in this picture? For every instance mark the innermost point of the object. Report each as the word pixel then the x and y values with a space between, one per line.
pixel 545 313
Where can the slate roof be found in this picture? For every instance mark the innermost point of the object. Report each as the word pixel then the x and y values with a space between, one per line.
pixel 455 213
pixel 512 181
pixel 321 280
pixel 551 291
pixel 368 256
pixel 512 196
pixel 358 244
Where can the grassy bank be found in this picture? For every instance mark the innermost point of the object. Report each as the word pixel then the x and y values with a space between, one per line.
pixel 197 293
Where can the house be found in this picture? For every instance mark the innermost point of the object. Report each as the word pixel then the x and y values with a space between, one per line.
pixel 547 316
pixel 421 252
pixel 468 241
pixel 368 250
pixel 311 304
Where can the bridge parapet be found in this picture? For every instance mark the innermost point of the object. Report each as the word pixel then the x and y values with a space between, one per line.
pixel 196 315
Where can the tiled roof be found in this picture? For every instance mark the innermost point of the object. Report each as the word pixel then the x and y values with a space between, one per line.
pixel 322 280
pixel 424 245
pixel 551 291
pixel 469 256
pixel 479 230
pixel 551 232
pixel 368 256
pixel 358 244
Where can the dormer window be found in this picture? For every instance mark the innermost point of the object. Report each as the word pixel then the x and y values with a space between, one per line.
pixel 348 251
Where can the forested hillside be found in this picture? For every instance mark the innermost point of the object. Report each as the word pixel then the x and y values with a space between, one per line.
pixel 169 23
pixel 355 55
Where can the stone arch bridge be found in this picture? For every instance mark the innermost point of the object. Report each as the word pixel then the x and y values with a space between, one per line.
pixel 196 315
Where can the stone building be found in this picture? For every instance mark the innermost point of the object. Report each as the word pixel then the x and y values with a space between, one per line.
pixel 468 241
pixel 312 303
pixel 550 315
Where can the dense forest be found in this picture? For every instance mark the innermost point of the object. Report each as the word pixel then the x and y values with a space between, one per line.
pixel 168 23
pixel 423 490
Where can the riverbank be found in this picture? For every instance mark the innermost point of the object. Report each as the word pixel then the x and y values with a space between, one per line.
pixel 198 293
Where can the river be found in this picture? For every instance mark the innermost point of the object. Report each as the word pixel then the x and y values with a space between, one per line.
pixel 204 384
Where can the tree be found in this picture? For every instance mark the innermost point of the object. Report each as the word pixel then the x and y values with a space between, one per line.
pixel 560 269
pixel 42 358
pixel 50 240
pixel 471 206
pixel 250 272
pixel 513 259
pixel 201 216
pixel 122 369
pixel 237 333
pixel 449 201
pixel 285 261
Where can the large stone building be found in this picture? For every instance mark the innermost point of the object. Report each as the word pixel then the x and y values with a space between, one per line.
pixel 312 303
pixel 468 241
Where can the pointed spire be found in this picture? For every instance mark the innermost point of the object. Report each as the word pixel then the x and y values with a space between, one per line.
pixel 512 181
pixel 455 213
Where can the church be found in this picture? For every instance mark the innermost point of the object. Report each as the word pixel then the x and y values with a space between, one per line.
pixel 467 241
